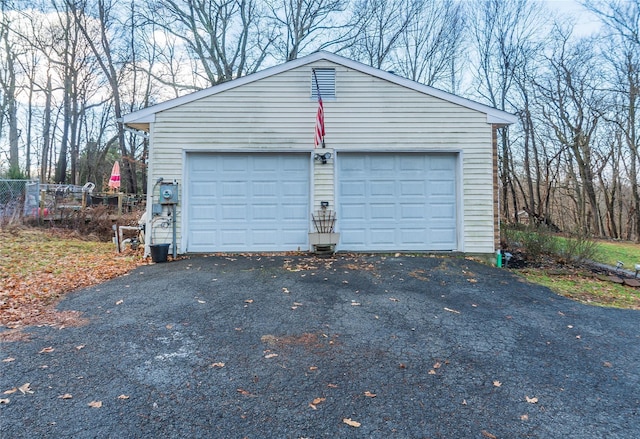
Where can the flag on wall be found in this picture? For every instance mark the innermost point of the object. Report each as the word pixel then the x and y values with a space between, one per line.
pixel 319 137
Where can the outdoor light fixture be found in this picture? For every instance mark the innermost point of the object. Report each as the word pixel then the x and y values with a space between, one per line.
pixel 323 157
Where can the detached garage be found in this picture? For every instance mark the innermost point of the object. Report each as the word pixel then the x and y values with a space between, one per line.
pixel 403 166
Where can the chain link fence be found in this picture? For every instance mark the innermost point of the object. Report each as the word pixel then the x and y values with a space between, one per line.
pixel 19 199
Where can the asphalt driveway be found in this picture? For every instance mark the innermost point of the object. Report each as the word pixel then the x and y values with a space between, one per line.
pixel 299 347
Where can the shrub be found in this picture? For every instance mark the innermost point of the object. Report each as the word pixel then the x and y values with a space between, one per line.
pixel 534 242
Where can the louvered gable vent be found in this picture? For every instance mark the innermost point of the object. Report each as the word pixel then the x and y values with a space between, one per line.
pixel 326 83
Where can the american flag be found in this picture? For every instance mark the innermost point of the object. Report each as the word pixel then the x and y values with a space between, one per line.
pixel 319 137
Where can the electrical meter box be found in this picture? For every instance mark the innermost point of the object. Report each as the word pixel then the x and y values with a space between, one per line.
pixel 169 193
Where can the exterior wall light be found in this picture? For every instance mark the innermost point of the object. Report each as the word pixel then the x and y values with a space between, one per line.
pixel 322 157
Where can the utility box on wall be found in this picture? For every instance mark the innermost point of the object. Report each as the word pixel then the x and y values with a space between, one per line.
pixel 169 193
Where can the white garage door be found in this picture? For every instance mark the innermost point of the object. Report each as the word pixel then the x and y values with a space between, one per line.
pixel 404 201
pixel 247 202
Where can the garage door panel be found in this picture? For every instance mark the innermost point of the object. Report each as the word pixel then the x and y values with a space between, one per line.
pixel 381 211
pixel 389 201
pixel 443 212
pixel 247 202
pixel 412 187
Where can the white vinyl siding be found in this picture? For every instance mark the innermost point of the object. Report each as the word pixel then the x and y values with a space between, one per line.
pixel 369 114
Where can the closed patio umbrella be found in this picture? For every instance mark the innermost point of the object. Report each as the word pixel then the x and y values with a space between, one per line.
pixel 114 180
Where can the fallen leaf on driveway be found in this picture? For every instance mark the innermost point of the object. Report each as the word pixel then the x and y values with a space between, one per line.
pixel 79 347
pixel 369 394
pixel 4 400
pixel 248 301
pixel 437 365
pixel 485 433
pixel 47 350
pixel 8 360
pixel 270 355
pixel 531 400
pixel 431 372
pixel 123 396
pixel 607 364
pixel 351 422
pixel 332 386
pixel 319 401
pixel 524 417
pixel 497 383
pixel 10 391
pixel 65 396
pixel 95 404
pixel 120 302
pixel 243 392
pixel 354 303
pixel 393 299
pixel 25 388
pixel 201 301
pixel 452 310
pixel 285 291
pixel 218 365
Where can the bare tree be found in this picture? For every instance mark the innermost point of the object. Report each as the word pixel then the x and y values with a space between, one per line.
pixel 505 39
pixel 303 22
pixel 574 108
pixel 378 26
pixel 430 46
pixel 225 36
pixel 8 85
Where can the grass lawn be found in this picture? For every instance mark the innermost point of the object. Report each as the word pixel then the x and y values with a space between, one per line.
pixel 38 266
pixel 583 286
pixel 610 253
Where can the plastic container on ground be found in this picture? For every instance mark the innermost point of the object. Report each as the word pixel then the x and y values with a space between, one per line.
pixel 159 252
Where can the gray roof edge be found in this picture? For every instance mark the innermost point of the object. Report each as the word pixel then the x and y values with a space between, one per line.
pixel 493 114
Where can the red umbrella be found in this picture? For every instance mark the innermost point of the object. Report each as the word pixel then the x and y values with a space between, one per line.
pixel 114 180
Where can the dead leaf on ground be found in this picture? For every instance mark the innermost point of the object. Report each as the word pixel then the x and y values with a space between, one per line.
pixel 65 396
pixel 452 310
pixel 437 365
pixel 351 422
pixel 431 372
pixel 285 291
pixel 524 417
pixel 201 301
pixel 531 400
pixel 95 404
pixel 219 365
pixel 270 355
pixel 248 301
pixel 123 396
pixel 79 347
pixel 319 401
pixel 369 394
pixel 120 302
pixel 243 392
pixel 486 434
pixel 25 388
pixel 497 383
pixel 47 350
pixel 607 364
pixel 8 360
pixel 354 303
pixel 4 400
pixel 393 299
pixel 10 391
pixel 332 386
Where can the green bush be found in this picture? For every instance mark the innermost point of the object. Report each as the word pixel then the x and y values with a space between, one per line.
pixel 536 242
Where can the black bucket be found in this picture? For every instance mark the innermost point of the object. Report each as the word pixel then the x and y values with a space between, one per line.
pixel 159 252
